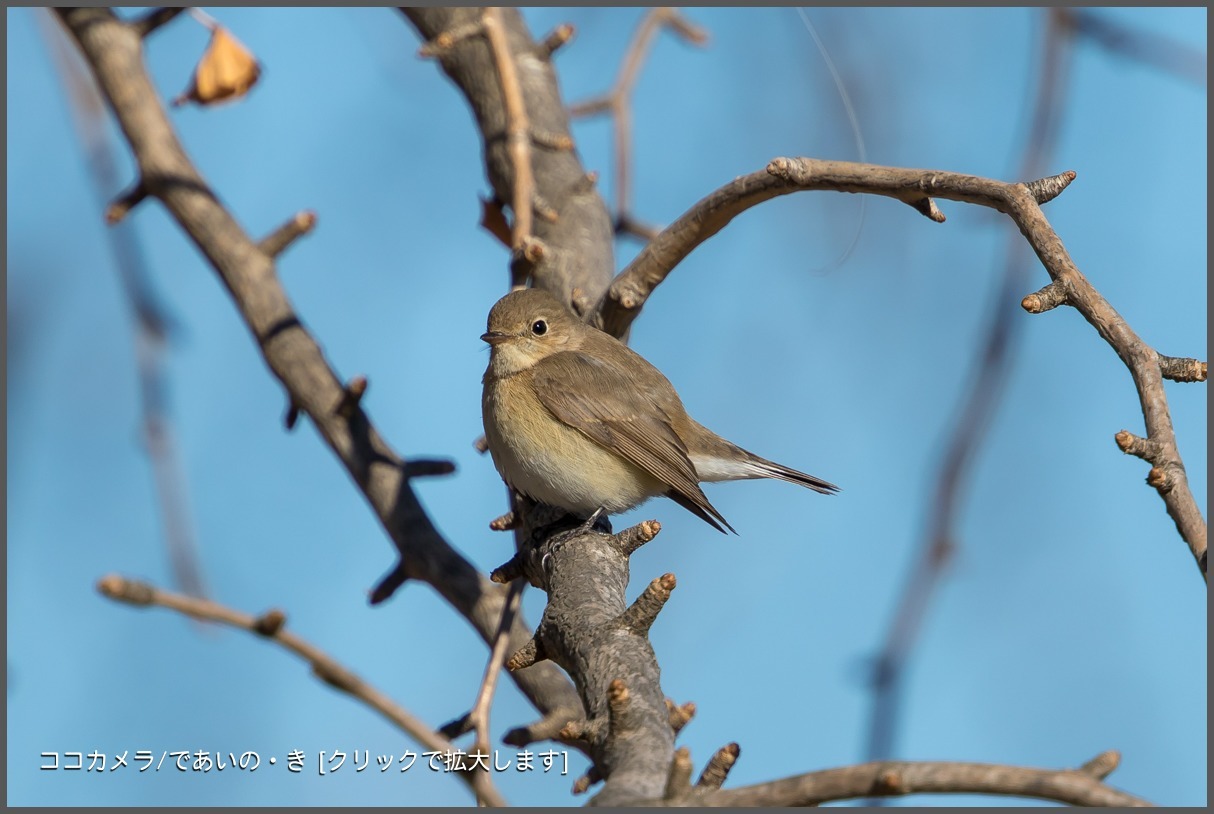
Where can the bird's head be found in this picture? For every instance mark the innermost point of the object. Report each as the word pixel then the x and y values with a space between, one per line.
pixel 525 327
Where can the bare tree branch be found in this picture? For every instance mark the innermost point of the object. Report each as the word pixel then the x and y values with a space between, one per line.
pixel 154 19
pixel 574 250
pixel 618 103
pixel 518 143
pixel 589 630
pixel 271 626
pixel 632 286
pixel 477 719
pixel 1081 787
pixel 113 51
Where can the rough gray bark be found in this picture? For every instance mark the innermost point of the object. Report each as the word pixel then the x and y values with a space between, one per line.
pixel 579 244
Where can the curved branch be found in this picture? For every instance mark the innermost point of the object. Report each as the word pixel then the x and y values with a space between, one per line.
pixel 271 626
pixel 113 51
pixel 918 189
pixel 631 287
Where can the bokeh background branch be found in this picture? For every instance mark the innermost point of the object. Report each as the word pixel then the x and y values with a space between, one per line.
pixel 992 367
pixel 617 103
pixel 153 325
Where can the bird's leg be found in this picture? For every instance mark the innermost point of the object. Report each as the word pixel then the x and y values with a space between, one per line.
pixel 592 522
pixel 568 526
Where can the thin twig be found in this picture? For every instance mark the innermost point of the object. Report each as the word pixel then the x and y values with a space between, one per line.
pixel 281 238
pixel 271 626
pixel 478 718
pixel 992 366
pixel 618 103
pixel 518 140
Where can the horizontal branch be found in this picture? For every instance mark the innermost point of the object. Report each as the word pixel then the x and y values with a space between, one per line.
pixel 1083 787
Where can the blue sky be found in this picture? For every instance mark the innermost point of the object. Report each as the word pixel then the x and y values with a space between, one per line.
pixel 1072 621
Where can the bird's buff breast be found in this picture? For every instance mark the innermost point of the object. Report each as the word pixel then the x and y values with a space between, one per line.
pixel 548 461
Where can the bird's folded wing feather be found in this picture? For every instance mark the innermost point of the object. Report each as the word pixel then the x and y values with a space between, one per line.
pixel 587 394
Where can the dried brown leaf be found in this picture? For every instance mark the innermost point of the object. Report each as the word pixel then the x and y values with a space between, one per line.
pixel 226 71
pixel 493 220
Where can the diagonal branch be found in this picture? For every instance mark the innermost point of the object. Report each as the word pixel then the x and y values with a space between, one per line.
pixel 152 322
pixel 477 719
pixel 1164 53
pixel 113 51
pixel 271 626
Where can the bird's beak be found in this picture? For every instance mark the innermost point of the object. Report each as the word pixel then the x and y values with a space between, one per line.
pixel 495 337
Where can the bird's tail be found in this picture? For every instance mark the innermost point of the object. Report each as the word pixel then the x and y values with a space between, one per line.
pixel 743 465
pixel 764 468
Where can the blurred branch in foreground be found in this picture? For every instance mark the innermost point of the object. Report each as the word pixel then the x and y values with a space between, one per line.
pixel 152 322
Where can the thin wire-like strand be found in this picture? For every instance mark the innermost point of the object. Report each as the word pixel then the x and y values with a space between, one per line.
pixel 857 135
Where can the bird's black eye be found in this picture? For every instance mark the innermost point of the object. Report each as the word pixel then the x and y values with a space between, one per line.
pixel 539 327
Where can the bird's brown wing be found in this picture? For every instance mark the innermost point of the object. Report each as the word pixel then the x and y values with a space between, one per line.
pixel 596 399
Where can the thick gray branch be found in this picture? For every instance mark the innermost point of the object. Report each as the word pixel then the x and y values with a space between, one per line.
pixel 577 246
pixel 586 630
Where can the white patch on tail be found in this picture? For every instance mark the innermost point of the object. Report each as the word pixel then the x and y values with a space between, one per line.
pixel 719 469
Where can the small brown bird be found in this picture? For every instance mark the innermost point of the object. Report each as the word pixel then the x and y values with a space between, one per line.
pixel 576 419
